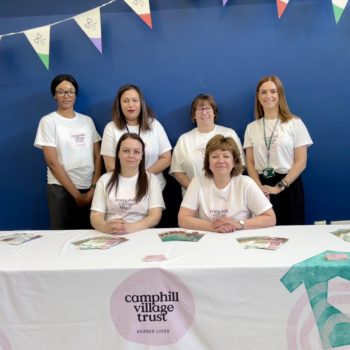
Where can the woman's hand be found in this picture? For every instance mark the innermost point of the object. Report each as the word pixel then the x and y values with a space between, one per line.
pixel 116 226
pixel 270 190
pixel 225 225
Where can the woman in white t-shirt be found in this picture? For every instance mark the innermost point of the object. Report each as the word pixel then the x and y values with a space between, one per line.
pixel 188 155
pixel 222 200
pixel 276 145
pixel 131 114
pixel 71 147
pixel 129 198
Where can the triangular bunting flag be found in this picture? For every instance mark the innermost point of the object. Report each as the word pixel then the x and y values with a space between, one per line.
pixel 40 40
pixel 90 23
pixel 224 2
pixel 141 7
pixel 338 8
pixel 281 6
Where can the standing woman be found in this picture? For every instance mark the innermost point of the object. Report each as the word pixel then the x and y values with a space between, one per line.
pixel 129 198
pixel 131 114
pixel 71 149
pixel 188 157
pixel 276 146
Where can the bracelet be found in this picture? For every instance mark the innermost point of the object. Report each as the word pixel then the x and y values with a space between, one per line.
pixel 285 183
pixel 93 186
pixel 281 185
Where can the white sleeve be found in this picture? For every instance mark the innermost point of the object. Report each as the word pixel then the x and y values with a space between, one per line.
pixel 191 199
pixel 257 202
pixel 95 135
pixel 99 201
pixel 109 142
pixel 301 135
pixel 248 142
pixel 178 158
pixel 155 193
pixel 239 144
pixel 163 141
pixel 46 133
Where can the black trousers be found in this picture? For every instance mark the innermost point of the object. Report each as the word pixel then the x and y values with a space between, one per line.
pixel 289 205
pixel 65 214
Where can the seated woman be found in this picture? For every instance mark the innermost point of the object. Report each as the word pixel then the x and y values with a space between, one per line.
pixel 222 200
pixel 129 198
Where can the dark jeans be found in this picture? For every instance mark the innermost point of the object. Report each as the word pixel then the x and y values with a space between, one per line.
pixel 64 212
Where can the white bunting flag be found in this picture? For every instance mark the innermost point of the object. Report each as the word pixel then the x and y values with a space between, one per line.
pixel 40 40
pixel 142 8
pixel 338 8
pixel 90 23
pixel 281 6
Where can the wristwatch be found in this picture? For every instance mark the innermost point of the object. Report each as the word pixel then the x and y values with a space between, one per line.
pixel 242 223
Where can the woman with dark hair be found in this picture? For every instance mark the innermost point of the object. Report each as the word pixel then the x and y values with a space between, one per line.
pixel 131 114
pixel 222 200
pixel 129 198
pixel 71 147
pixel 188 155
pixel 276 146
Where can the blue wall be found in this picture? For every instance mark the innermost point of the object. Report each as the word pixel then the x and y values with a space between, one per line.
pixel 195 46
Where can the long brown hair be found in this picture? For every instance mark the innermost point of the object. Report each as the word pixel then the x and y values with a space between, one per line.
pixel 146 114
pixel 142 180
pixel 283 109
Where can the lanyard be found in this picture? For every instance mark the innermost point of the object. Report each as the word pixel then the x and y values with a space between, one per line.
pixel 127 129
pixel 268 143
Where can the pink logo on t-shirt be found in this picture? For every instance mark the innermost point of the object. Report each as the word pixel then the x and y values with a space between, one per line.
pixel 152 307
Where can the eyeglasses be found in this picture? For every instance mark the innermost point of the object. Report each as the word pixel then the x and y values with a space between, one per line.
pixel 62 93
pixel 204 109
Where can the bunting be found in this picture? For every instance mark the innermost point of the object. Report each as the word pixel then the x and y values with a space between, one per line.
pixel 40 40
pixel 142 9
pixel 281 6
pixel 90 23
pixel 338 8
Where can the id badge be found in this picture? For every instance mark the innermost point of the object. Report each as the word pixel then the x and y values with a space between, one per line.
pixel 268 172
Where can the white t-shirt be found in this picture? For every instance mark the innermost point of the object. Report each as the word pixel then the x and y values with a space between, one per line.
pixel 286 138
pixel 189 152
pixel 239 200
pixel 122 205
pixel 74 140
pixel 156 143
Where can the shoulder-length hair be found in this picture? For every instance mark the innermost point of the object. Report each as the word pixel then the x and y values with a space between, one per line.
pixel 283 109
pixel 146 114
pixel 142 180
pixel 199 100
pixel 220 142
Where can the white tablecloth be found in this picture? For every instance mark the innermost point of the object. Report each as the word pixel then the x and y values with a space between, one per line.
pixel 219 296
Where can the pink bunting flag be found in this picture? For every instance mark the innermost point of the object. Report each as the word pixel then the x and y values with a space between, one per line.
pixel 90 23
pixel 281 6
pixel 142 9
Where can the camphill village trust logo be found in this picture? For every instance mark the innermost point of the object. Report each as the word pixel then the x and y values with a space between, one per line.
pixel 152 307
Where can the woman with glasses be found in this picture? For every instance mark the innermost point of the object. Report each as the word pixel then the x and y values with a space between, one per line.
pixel 276 146
pixel 131 114
pixel 71 149
pixel 188 155
pixel 129 198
